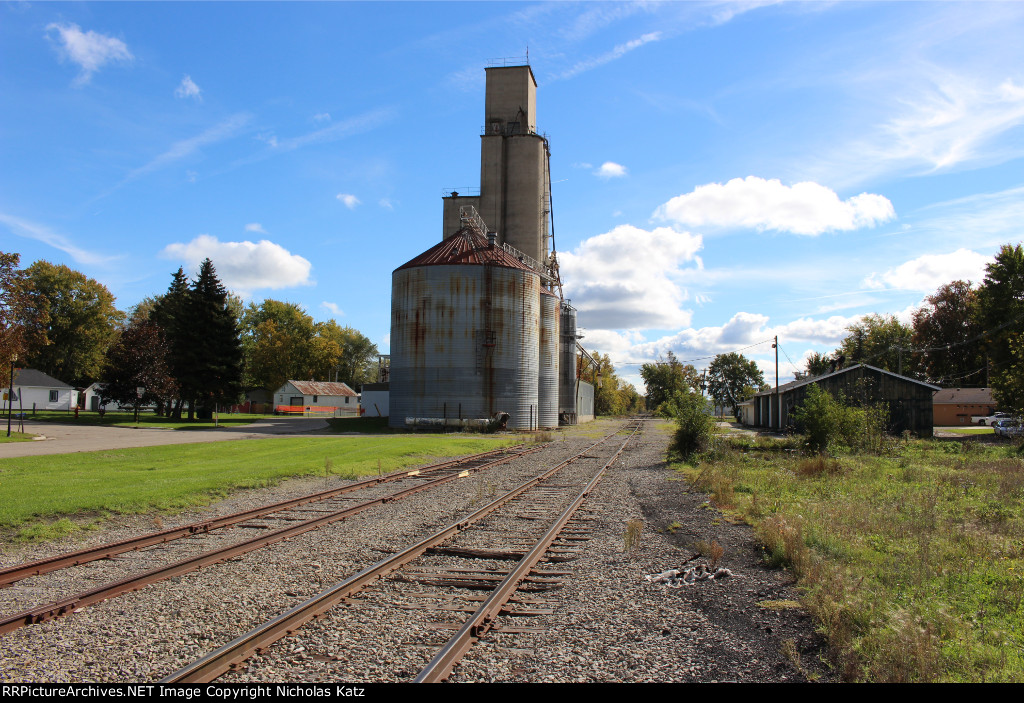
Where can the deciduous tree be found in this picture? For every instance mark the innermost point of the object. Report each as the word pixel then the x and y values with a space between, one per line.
pixel 81 324
pixel 945 328
pixel 138 359
pixel 22 323
pixel 732 378
pixel 666 376
pixel 878 340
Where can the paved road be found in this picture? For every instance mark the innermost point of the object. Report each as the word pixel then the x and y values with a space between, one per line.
pixel 65 439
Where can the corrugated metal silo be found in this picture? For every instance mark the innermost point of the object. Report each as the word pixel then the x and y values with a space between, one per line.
pixel 465 330
pixel 547 394
pixel 567 366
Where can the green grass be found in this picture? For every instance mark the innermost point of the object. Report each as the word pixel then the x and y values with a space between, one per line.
pixel 39 491
pixel 970 430
pixel 15 436
pixel 146 419
pixel 912 563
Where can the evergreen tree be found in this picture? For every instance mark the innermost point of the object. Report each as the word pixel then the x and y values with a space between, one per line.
pixel 1000 307
pixel 171 314
pixel 213 374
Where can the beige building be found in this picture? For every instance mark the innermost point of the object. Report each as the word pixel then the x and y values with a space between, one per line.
pixel 955 406
pixel 514 167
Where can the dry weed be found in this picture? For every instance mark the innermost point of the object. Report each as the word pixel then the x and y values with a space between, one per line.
pixel 631 538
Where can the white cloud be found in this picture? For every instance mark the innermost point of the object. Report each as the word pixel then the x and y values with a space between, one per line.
pixel 255 227
pixel 756 203
pixel 188 89
pixel 628 278
pixel 929 271
pixel 610 169
pixel 245 266
pixel 386 204
pixel 41 233
pixel 350 200
pixel 322 117
pixel 90 50
pixel 332 308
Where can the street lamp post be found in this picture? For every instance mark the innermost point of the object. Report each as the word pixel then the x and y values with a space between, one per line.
pixel 10 396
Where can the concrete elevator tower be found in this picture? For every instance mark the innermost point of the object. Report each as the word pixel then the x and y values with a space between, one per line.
pixel 514 196
pixel 479 330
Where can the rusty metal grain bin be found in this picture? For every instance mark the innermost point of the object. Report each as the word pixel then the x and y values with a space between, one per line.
pixel 567 366
pixel 547 378
pixel 465 330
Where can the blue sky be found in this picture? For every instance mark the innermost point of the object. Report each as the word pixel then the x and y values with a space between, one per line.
pixel 723 171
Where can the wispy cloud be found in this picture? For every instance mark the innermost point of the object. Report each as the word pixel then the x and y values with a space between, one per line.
pixel 616 53
pixel 186 147
pixel 188 89
pixel 41 233
pixel 90 50
pixel 255 227
pixel 350 200
pixel 338 130
pixel 333 308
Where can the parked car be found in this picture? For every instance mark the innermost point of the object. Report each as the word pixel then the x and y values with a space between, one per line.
pixel 990 419
pixel 1008 428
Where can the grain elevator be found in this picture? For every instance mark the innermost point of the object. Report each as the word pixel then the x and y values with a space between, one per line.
pixel 480 334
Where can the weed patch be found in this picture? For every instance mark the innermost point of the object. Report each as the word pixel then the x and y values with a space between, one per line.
pixel 911 561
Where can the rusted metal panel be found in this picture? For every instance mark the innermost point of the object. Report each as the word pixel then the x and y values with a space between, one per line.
pixel 464 341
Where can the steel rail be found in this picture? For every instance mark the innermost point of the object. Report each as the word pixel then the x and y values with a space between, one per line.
pixel 241 648
pixel 134 583
pixel 17 572
pixel 483 619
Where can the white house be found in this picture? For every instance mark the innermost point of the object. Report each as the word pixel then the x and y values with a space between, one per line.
pixel 34 390
pixel 300 396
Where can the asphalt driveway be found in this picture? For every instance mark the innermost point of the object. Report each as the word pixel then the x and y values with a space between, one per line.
pixel 66 439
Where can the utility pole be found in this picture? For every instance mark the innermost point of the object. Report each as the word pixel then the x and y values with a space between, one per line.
pixel 778 406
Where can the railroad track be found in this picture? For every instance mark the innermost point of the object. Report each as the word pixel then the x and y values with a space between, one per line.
pixel 292 518
pixel 535 522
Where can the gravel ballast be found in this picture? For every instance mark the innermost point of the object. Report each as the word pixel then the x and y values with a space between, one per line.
pixel 607 622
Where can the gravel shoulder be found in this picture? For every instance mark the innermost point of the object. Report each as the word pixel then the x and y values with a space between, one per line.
pixel 608 623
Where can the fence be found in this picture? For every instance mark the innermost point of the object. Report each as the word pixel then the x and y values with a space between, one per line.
pixel 317 411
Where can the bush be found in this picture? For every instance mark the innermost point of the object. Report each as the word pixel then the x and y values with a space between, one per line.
pixel 694 427
pixel 827 422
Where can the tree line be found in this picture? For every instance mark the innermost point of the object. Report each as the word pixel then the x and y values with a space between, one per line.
pixel 964 335
pixel 187 350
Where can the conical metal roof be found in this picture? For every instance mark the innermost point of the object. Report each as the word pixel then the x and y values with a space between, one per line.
pixel 466 248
